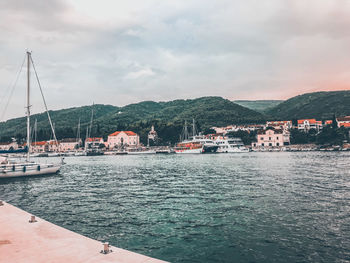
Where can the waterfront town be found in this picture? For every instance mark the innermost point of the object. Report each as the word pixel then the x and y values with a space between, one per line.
pixel 271 136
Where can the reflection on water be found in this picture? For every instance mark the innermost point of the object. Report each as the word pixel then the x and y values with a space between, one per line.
pixel 251 207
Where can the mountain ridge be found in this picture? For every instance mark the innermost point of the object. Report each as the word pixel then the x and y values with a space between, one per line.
pixel 320 105
pixel 169 117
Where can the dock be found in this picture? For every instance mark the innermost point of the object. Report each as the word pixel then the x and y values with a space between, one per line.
pixel 27 238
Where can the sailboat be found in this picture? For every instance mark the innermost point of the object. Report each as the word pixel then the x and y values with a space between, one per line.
pixel 92 144
pixel 27 168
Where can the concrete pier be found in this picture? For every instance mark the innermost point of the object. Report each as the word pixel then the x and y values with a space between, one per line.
pixel 24 238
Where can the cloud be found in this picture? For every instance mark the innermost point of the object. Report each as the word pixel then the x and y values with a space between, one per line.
pixel 121 52
pixel 140 73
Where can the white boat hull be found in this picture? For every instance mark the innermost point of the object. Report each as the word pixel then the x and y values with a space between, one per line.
pixel 30 170
pixel 232 150
pixel 142 152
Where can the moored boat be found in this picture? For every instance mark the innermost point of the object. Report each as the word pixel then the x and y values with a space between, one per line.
pixel 231 145
pixel 27 168
pixel 195 143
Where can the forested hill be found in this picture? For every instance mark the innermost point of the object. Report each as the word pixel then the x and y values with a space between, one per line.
pixel 168 118
pixel 258 105
pixel 320 105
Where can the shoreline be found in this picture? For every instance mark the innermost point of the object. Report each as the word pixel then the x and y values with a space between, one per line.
pixel 42 241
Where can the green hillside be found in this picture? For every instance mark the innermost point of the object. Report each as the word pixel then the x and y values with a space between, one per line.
pixel 168 118
pixel 258 105
pixel 320 105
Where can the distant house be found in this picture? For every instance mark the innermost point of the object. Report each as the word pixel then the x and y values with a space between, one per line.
pixel 69 144
pixel 120 138
pixel 343 122
pixel 41 146
pixel 235 128
pixel 272 137
pixel 328 122
pixel 308 124
pixel 284 125
pixel 53 146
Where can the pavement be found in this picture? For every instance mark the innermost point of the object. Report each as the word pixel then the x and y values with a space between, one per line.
pixel 42 241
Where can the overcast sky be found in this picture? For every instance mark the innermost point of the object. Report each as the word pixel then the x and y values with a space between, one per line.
pixel 120 52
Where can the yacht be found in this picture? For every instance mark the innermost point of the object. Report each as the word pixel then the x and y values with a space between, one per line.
pixel 231 145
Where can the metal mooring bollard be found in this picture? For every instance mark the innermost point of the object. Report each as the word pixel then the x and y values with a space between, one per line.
pixel 32 219
pixel 106 249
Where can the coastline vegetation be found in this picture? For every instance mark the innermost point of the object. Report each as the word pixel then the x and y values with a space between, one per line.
pixel 168 118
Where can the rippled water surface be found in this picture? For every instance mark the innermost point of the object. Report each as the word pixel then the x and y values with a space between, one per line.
pixel 251 207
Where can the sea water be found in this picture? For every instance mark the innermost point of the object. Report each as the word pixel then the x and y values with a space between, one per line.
pixel 243 207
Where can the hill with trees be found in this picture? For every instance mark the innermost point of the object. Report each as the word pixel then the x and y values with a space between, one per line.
pixel 167 117
pixel 258 105
pixel 319 105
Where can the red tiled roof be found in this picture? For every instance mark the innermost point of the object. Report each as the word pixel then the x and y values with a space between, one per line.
pixel 39 143
pixel 114 133
pixel 276 131
pixel 311 121
pixel 36 143
pixel 129 133
pixel 93 139
pixel 328 122
pixel 347 125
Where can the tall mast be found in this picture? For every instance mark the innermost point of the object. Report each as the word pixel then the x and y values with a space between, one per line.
pixel 91 120
pixel 78 131
pixel 28 105
pixel 35 130
pixel 193 129
pixel 185 131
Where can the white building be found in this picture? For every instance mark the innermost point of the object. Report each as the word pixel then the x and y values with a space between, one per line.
pixel 41 146
pixel 343 122
pixel 120 138
pixel 272 138
pixel 308 124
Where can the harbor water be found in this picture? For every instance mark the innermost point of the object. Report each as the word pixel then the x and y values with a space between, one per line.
pixel 245 207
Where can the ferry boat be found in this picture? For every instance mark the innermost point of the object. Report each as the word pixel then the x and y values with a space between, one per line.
pixel 231 145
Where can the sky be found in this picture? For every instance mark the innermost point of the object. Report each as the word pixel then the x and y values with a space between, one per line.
pixel 121 52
